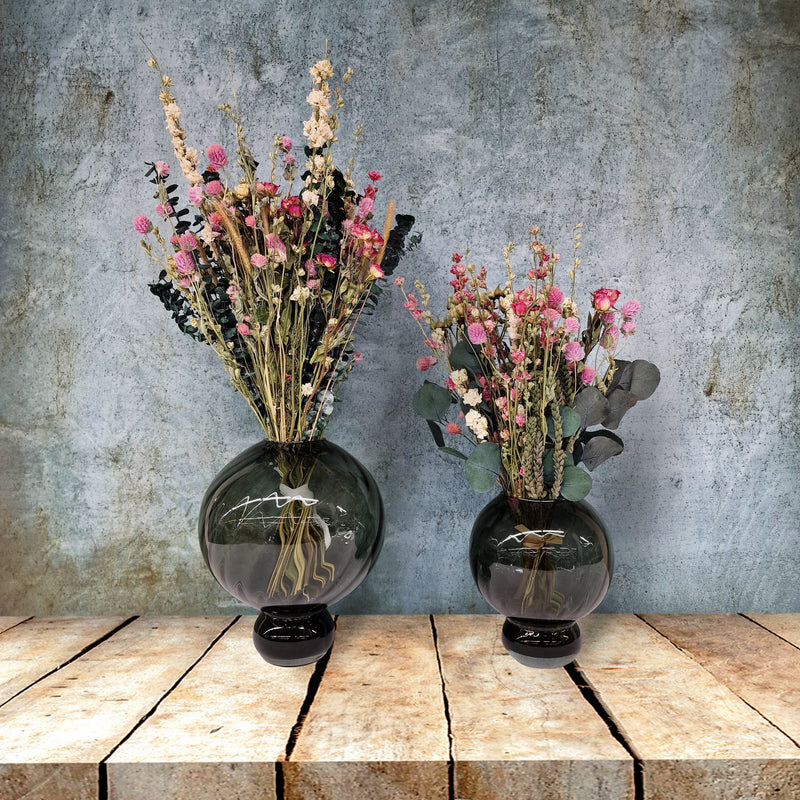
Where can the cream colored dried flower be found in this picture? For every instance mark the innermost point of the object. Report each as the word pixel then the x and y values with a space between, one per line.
pixel 477 423
pixel 472 397
pixel 321 71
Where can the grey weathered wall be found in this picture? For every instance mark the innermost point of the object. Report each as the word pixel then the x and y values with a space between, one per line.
pixel 669 128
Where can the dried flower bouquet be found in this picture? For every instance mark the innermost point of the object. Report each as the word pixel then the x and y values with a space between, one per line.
pixel 274 278
pixel 527 382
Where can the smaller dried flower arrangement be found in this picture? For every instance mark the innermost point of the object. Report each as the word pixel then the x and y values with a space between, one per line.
pixel 528 383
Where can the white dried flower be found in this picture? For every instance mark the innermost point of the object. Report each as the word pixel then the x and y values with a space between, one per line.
pixel 477 423
pixel 472 397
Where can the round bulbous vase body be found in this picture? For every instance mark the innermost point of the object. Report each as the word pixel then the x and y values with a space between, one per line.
pixel 543 564
pixel 289 528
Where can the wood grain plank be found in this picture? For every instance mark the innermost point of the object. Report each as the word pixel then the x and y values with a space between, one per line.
pixel 755 664
pixel 787 626
pixel 219 733
pixel 54 734
pixel 697 740
pixel 10 622
pixel 41 645
pixel 377 727
pixel 514 727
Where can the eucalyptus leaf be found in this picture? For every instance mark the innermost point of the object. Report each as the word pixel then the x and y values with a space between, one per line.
pixel 432 401
pixel 576 484
pixel 482 467
pixel 548 468
pixel 591 406
pixel 463 356
pixel 645 378
pixel 600 446
pixel 451 451
pixel 570 423
pixel 619 401
pixel 436 431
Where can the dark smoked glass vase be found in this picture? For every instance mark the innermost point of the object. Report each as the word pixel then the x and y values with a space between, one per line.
pixel 289 528
pixel 543 564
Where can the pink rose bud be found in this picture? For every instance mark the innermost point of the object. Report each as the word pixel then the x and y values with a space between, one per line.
pixel 424 363
pixel 604 299
pixel 243 328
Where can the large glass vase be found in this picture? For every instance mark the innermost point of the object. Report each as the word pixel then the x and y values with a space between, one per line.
pixel 288 529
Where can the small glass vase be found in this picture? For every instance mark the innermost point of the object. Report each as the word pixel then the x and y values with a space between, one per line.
pixel 543 564
pixel 289 528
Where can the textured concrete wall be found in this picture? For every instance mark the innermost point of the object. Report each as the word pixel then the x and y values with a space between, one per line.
pixel 669 128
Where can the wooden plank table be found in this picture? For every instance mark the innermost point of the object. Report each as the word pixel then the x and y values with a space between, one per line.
pixel 695 707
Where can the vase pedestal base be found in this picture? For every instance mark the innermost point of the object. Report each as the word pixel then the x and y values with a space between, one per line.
pixel 541 644
pixel 293 637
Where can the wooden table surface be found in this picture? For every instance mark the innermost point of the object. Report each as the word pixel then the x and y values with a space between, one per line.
pixel 674 707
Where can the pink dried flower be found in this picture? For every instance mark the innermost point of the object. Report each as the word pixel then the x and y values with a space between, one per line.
pixel 142 225
pixel 587 375
pixel 250 221
pixel 162 169
pixel 374 175
pixel 276 249
pixel 572 325
pixel 163 210
pixel 628 327
pixel 258 260
pixel 604 299
pixel 520 420
pixel 196 195
pixel 399 281
pixel 555 297
pixel 215 218
pixel 325 260
pixel 216 157
pixel 288 160
pixel 188 241
pixel 213 188
pixel 365 207
pixel 233 292
pixel 608 341
pixel 424 363
pixel 476 333
pixel 285 144
pixel 244 329
pixel 518 356
pixel 357 357
pixel 183 262
pixel 573 352
pixel 631 309
pixel 453 427
pixel 375 271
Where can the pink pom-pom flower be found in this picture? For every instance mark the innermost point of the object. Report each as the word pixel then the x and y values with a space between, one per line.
pixel 142 225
